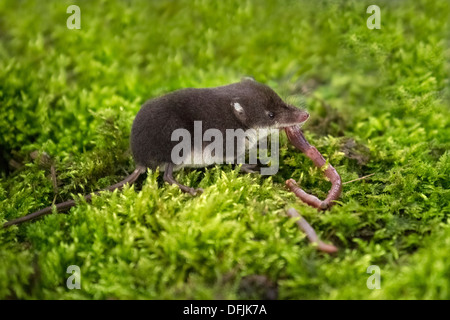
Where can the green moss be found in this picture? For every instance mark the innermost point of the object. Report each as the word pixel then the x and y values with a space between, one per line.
pixel 379 103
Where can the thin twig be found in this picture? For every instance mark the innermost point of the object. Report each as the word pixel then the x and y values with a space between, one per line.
pixel 369 175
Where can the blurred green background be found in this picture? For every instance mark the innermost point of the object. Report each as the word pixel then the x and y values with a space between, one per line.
pixel 379 103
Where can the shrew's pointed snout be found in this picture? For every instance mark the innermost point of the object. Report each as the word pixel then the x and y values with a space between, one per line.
pixel 296 115
pixel 302 117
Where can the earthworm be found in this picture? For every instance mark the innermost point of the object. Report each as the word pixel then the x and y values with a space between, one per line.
pixel 310 233
pixel 296 137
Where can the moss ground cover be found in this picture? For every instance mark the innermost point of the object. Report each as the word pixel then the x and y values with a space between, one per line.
pixel 379 103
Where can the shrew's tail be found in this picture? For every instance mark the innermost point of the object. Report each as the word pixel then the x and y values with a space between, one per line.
pixel 63 206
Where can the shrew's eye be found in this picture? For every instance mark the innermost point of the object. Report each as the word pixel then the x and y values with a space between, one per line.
pixel 271 115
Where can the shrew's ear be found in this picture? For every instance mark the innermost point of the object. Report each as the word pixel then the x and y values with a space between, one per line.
pixel 238 111
pixel 248 78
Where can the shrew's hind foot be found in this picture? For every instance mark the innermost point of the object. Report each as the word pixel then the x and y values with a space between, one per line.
pixel 193 191
pixel 250 168
pixel 168 177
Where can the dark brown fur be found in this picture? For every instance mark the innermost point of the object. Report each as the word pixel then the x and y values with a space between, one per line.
pixel 151 132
